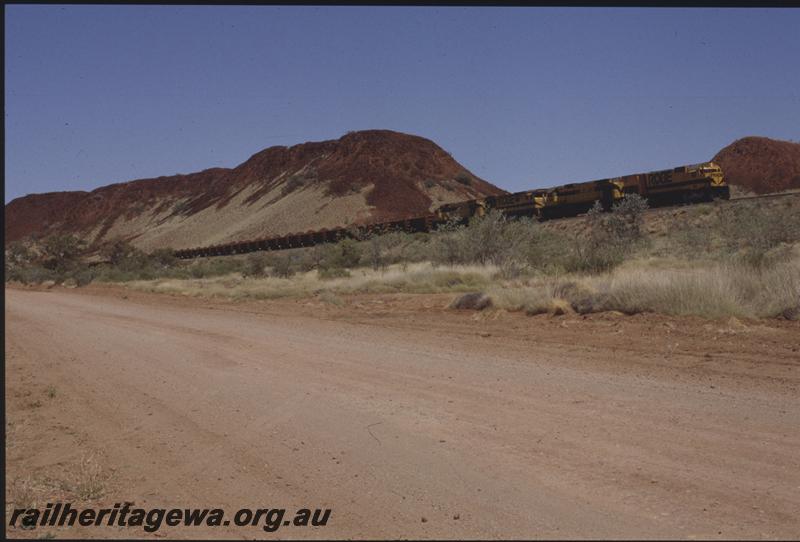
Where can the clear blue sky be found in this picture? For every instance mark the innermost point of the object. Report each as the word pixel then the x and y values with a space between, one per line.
pixel 523 97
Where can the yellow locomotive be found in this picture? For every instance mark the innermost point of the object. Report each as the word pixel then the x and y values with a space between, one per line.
pixel 684 184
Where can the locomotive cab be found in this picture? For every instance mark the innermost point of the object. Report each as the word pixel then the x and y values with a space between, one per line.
pixel 716 179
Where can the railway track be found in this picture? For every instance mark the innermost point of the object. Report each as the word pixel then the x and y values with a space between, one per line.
pixel 768 196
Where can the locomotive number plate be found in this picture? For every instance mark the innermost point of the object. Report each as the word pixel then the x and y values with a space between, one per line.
pixel 659 178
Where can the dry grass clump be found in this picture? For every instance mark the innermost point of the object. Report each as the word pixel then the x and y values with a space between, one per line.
pixel 420 278
pixel 712 290
pixel 701 292
pixel 545 294
pixel 22 492
pixel 90 484
pixel 86 483
pixel 412 278
pixel 702 288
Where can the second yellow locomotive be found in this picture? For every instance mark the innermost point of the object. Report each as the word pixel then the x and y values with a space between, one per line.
pixel 683 184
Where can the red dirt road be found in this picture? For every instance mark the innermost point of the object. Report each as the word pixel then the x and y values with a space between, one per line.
pixel 389 411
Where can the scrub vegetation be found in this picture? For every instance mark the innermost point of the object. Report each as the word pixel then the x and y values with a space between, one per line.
pixel 711 260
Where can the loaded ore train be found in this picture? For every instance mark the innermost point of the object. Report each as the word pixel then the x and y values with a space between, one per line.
pixel 684 184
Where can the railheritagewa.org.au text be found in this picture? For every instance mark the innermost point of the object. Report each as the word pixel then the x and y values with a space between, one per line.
pixel 153 519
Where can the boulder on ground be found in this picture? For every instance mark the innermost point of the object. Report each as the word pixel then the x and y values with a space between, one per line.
pixel 473 301
pixel 792 313
pixel 592 303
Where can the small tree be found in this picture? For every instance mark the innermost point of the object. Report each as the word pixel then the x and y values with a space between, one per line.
pixel 316 255
pixel 118 251
pixel 282 266
pixel 163 258
pixel 609 236
pixel 61 252
pixel 18 258
pixel 345 253
pixel 19 254
pixel 375 247
pixel 464 178
pixel 627 217
pixel 254 265
pixel 446 244
pixel 126 257
pixel 485 240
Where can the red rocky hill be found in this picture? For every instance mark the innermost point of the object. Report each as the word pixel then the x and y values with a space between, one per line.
pixel 363 176
pixel 760 164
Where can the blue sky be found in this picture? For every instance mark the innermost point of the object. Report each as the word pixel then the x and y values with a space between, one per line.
pixel 523 97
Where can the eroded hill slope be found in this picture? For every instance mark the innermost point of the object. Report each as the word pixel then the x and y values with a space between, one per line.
pixel 362 176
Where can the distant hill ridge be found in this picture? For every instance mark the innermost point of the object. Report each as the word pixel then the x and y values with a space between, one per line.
pixel 364 175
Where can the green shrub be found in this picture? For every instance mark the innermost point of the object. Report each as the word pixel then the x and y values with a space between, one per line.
pixel 35 274
pixel 375 252
pixel 222 265
pixel 464 178
pixel 484 240
pixel 163 258
pixel 197 271
pixel 254 265
pixel 691 241
pixel 547 251
pixel 446 246
pixel 490 239
pixel 19 254
pixel 282 266
pixel 626 218
pixel 346 253
pixel 292 183
pixel 758 235
pixel 610 237
pixel 84 276
pixel 132 261
pixel 180 207
pixel 61 252
pixel 299 179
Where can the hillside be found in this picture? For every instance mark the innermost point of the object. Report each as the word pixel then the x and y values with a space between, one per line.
pixel 362 176
pixel 760 164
